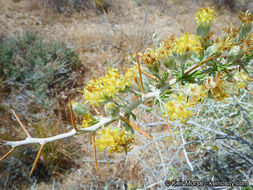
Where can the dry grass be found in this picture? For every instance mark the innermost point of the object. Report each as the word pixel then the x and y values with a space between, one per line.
pixel 125 28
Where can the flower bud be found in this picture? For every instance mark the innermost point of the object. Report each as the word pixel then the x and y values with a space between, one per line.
pixel 234 53
pixel 169 62
pixel 212 50
pixel 203 30
pixel 154 67
pixel 79 108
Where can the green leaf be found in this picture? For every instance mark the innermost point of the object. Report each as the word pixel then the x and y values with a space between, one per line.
pixel 169 62
pixel 203 30
pixel 165 75
pixel 153 107
pixel 79 109
pixel 133 115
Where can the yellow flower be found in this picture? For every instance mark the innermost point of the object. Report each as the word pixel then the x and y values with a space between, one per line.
pixel 241 79
pixel 113 82
pixel 228 40
pixel 114 140
pixel 216 88
pixel 205 15
pixel 187 42
pixel 151 55
pixel 178 108
pixel 246 17
pixel 197 93
pixel 86 120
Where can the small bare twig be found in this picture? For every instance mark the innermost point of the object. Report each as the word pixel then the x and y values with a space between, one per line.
pixel 185 153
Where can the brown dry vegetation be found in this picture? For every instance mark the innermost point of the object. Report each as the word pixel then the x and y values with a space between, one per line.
pixel 126 27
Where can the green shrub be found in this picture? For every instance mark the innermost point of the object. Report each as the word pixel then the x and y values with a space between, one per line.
pixel 31 63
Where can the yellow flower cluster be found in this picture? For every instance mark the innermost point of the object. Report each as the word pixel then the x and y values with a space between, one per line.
pixel 197 93
pixel 246 17
pixel 113 82
pixel 241 79
pixel 205 16
pixel 229 40
pixel 247 45
pixel 217 88
pixel 151 55
pixel 179 108
pixel 114 140
pixel 87 119
pixel 187 42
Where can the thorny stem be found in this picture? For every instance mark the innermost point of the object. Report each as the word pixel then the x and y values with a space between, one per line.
pixel 21 124
pixel 7 154
pixel 36 160
pixel 135 127
pixel 72 115
pixel 31 140
pixel 139 67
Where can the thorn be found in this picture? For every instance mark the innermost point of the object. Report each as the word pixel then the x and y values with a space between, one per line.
pixel 135 127
pixel 169 128
pixel 7 154
pixel 36 159
pixel 195 67
pixel 248 90
pixel 95 153
pixel 72 115
pixel 97 112
pixel 149 75
pixel 21 124
pixel 139 67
